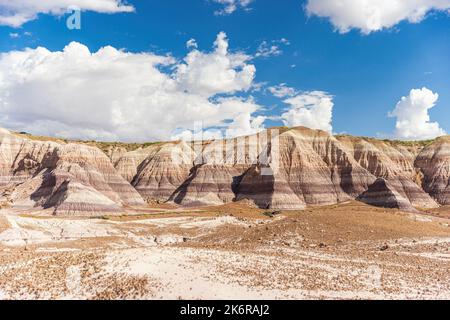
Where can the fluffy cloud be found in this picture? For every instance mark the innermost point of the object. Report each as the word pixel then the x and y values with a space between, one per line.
pixel 310 109
pixel 230 6
pixel 373 15
pixel 15 13
pixel 242 125
pixel 413 120
pixel 191 44
pixel 217 72
pixel 282 91
pixel 116 95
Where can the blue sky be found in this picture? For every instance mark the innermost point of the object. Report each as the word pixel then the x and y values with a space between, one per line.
pixel 366 74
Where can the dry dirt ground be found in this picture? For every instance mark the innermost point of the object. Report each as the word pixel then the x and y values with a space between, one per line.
pixel 347 251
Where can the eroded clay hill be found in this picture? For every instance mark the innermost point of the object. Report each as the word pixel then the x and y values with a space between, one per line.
pixel 69 178
pixel 278 168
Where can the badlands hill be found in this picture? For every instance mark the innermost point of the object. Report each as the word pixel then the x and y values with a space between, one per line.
pixel 278 168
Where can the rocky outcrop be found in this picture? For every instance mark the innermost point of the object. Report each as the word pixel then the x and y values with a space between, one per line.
pixel 217 170
pixel 313 168
pixel 277 168
pixel 434 165
pixel 72 198
pixel 318 169
pixel 20 159
pixel 307 174
pixel 71 178
pixel 393 163
pixel 382 194
pixel 160 170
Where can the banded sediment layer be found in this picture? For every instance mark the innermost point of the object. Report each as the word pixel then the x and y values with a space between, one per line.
pixel 277 168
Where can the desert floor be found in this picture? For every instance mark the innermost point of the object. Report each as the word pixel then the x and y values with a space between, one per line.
pixel 347 251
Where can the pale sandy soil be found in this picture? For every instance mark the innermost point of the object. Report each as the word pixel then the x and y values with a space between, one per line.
pixel 349 251
pixel 4 224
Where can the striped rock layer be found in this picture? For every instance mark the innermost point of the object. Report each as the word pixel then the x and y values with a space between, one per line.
pixel 278 168
pixel 67 178
pixel 313 168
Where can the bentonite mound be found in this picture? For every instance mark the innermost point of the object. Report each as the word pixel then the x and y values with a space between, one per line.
pixel 312 168
pixel 161 172
pixel 382 194
pixel 395 164
pixel 72 198
pixel 434 163
pixel 71 178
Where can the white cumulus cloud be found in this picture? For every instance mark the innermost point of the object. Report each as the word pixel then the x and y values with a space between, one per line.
pixel 191 44
pixel 217 72
pixel 15 13
pixel 373 15
pixel 413 120
pixel 116 95
pixel 282 91
pixel 310 109
pixel 242 125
